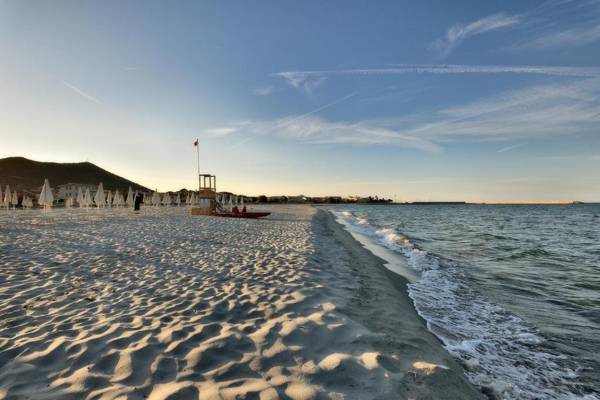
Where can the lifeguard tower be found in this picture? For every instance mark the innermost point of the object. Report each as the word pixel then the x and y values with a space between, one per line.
pixel 207 195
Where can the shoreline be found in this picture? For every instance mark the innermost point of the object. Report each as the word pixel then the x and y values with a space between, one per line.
pixel 423 368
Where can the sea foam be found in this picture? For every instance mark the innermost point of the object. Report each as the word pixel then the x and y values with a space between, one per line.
pixel 500 352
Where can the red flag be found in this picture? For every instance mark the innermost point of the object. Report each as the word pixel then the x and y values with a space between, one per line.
pixel 196 142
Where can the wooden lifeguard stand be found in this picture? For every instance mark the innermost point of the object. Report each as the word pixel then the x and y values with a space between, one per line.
pixel 207 195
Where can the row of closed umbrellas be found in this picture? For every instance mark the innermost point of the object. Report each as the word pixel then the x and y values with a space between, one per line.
pixel 107 199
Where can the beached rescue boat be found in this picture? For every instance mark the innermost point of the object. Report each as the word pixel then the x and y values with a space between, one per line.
pixel 247 214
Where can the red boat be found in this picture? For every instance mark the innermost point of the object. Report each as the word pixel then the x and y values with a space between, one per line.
pixel 247 214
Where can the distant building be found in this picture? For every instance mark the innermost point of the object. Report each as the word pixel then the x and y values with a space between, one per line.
pixel 327 200
pixel 298 199
pixel 70 189
pixel 277 199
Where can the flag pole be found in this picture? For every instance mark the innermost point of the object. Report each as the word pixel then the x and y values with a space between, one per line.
pixel 198 153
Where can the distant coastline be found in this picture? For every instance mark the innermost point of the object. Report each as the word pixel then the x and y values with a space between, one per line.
pixel 371 200
pixel 26 176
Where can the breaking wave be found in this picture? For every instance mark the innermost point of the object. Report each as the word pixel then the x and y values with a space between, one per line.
pixel 501 353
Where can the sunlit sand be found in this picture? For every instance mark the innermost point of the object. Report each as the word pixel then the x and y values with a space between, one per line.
pixel 112 304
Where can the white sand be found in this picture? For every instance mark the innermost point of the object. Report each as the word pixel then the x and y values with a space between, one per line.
pixel 108 304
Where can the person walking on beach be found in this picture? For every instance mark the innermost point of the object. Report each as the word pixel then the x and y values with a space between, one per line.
pixel 139 199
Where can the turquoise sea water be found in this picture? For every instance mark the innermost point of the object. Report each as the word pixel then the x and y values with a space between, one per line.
pixel 513 292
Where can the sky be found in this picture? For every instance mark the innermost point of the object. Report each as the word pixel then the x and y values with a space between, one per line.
pixel 428 100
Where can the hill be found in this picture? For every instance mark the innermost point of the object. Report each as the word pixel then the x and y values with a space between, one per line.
pixel 23 174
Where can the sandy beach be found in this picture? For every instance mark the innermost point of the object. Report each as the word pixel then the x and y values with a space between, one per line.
pixel 107 304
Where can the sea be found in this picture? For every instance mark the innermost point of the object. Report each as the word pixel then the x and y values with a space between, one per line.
pixel 511 291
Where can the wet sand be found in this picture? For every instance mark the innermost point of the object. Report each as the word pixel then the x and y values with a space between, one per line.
pixel 377 298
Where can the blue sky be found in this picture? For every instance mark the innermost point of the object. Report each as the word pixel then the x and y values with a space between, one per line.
pixel 430 100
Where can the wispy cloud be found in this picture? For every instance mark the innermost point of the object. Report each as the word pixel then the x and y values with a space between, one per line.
pixel 560 23
pixel 316 110
pixel 531 113
pixel 458 33
pixel 575 37
pixel 81 92
pixel 263 90
pixel 251 128
pixel 304 82
pixel 223 131
pixel 399 94
pixel 315 130
pixel 320 75
pixel 509 148
pixel 285 122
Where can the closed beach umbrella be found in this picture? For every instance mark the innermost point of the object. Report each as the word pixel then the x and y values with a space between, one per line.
pixel 109 199
pixel 87 198
pixel 117 201
pixel 155 199
pixel 130 197
pixel 80 199
pixel 27 202
pixel 242 202
pixel 15 199
pixel 1 198
pixel 46 196
pixel 7 197
pixel 178 199
pixel 99 198
pixel 69 202
pixel 166 200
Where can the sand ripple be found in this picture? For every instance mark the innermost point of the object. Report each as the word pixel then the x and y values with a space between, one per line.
pixel 109 304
